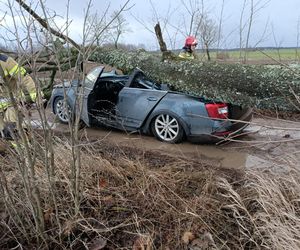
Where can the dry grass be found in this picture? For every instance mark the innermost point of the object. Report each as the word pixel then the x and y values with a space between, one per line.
pixel 127 196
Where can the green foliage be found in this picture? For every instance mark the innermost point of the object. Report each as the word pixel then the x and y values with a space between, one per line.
pixel 248 85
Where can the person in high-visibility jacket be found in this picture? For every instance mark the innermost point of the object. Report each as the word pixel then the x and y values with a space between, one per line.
pixel 188 51
pixel 14 79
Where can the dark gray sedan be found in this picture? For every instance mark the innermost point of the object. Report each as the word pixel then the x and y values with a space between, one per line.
pixel 136 103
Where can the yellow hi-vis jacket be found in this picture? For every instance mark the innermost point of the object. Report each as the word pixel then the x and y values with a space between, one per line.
pixel 186 55
pixel 19 82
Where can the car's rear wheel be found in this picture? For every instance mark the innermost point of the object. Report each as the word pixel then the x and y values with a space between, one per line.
pixel 167 128
pixel 62 109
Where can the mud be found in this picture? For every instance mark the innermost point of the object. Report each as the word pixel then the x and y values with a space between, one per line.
pixel 268 143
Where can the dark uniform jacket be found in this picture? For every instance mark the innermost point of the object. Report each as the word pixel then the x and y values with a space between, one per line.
pixel 186 53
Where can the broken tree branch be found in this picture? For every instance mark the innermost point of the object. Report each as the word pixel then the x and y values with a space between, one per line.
pixel 166 54
pixel 46 26
pixel 162 44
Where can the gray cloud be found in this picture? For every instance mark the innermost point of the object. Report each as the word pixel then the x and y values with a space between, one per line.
pixel 280 16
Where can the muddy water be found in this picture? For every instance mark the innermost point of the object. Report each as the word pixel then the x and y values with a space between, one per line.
pixel 271 143
pixel 264 147
pixel 206 154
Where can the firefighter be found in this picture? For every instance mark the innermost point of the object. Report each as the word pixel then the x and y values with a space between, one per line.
pixel 15 80
pixel 188 51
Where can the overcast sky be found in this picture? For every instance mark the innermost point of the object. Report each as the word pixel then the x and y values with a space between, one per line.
pixel 276 22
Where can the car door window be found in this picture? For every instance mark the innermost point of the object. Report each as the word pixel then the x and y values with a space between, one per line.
pixel 138 84
pixel 91 78
pixel 144 81
pixel 140 81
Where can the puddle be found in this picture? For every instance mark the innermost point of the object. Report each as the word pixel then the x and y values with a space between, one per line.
pixel 281 130
pixel 210 154
pixel 259 156
pixel 254 162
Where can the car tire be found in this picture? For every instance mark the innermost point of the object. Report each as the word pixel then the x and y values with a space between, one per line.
pixel 167 128
pixel 62 110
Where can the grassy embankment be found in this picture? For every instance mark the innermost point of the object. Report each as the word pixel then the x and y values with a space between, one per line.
pixel 132 199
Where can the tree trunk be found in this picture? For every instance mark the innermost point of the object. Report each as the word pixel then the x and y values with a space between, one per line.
pixel 166 54
pixel 248 32
pixel 207 51
pixel 117 40
pixel 162 44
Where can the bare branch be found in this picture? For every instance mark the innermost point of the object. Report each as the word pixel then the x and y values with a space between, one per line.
pixel 123 8
pixel 46 25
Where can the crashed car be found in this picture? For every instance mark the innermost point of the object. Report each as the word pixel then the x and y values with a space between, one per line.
pixel 136 103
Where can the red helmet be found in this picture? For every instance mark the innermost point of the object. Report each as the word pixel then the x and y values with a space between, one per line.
pixel 190 40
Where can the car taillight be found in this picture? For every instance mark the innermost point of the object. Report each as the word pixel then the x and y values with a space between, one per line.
pixel 217 110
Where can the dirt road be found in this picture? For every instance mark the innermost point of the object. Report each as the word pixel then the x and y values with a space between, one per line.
pixel 268 143
pixel 271 143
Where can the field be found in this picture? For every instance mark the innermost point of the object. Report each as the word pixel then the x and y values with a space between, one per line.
pixel 257 56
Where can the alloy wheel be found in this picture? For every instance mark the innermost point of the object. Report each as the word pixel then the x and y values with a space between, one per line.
pixel 63 111
pixel 166 127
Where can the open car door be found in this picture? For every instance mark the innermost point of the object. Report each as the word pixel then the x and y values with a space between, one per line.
pixel 88 85
pixel 136 101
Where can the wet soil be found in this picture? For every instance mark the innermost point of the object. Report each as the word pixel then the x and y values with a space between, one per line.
pixel 268 141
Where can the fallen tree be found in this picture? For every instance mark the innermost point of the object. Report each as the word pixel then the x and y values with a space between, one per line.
pixel 271 87
pixel 275 88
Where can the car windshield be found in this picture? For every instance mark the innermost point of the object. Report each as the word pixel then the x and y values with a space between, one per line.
pixel 91 77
